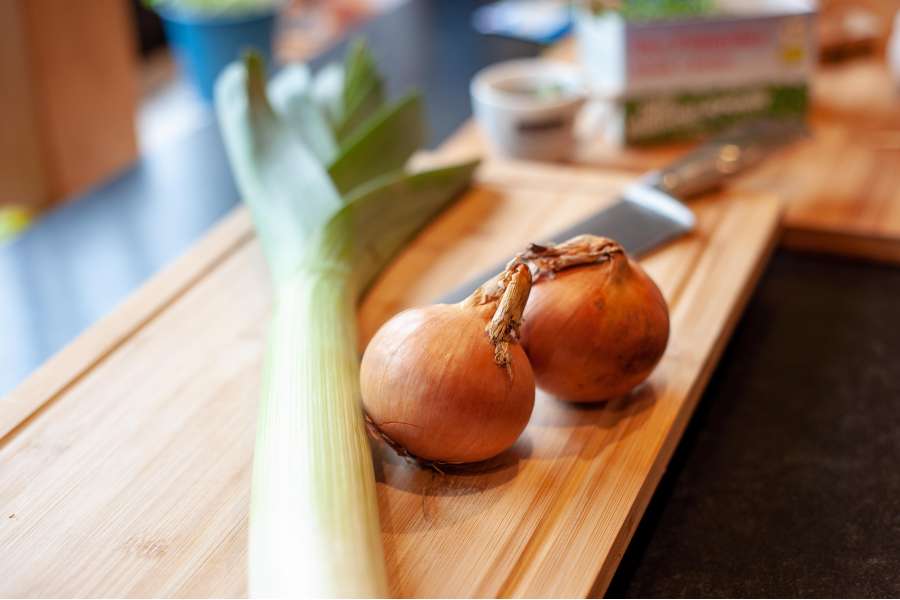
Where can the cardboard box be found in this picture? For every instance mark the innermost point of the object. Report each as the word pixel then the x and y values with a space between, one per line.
pixel 678 79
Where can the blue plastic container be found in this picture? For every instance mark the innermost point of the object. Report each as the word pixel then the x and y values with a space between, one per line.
pixel 205 44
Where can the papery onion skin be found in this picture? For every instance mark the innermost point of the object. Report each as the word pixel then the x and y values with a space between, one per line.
pixel 438 393
pixel 448 383
pixel 594 332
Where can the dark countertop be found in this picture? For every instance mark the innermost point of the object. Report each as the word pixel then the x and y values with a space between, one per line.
pixel 786 482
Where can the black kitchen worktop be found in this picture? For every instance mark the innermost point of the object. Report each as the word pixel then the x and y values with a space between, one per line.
pixel 786 482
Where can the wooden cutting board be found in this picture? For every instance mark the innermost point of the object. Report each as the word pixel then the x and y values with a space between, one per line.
pixel 840 186
pixel 125 460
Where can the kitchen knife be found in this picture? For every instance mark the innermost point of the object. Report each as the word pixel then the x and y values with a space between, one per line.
pixel 648 211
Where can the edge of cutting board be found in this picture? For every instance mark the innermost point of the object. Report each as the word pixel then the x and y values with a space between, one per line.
pixel 879 248
pixel 608 570
pixel 74 360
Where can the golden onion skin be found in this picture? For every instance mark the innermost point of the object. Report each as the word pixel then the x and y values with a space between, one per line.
pixel 595 332
pixel 431 385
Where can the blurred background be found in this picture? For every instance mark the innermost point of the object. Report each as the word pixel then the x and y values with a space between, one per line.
pixel 92 85
pixel 111 164
pixel 95 84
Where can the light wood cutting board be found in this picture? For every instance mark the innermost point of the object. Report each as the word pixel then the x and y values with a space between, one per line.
pixel 125 461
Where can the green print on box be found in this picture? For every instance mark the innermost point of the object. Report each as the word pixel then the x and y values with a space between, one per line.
pixel 677 116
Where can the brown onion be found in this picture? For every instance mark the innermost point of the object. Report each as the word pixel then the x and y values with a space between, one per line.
pixel 596 324
pixel 449 383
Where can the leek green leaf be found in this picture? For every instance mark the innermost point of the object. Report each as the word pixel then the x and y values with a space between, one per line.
pixel 291 95
pixel 383 144
pixel 382 215
pixel 288 190
pixel 328 92
pixel 363 90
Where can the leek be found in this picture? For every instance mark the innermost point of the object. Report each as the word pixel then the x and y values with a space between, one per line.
pixel 327 92
pixel 326 234
pixel 382 144
pixel 363 90
pixel 291 96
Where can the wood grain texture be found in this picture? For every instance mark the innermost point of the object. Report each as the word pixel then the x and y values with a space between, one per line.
pixel 130 477
pixel 840 186
pixel 68 365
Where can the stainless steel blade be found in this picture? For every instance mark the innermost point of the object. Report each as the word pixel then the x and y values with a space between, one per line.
pixel 640 220
pixel 648 214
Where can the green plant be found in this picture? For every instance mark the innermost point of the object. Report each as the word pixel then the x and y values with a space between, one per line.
pixel 651 10
pixel 214 7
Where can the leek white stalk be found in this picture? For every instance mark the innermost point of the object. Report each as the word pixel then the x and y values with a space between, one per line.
pixel 314 527
pixel 314 516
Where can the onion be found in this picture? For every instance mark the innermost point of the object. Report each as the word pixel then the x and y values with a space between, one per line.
pixel 596 324
pixel 449 383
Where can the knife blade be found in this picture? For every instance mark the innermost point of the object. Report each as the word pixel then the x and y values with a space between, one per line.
pixel 649 213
